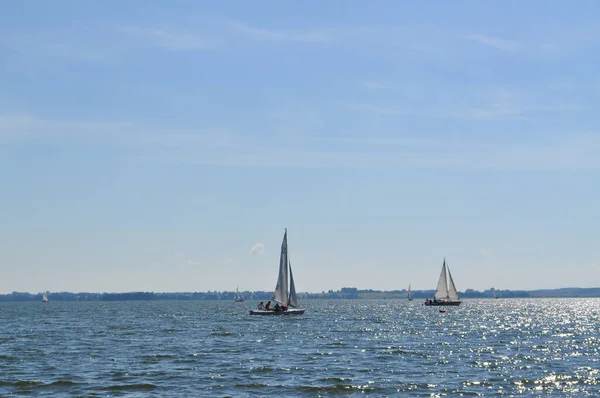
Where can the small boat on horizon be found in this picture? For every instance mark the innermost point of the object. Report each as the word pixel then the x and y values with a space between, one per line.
pixel 238 297
pixel 410 297
pixel 445 293
pixel 44 298
pixel 285 290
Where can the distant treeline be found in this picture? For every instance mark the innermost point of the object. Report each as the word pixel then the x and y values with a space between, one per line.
pixel 344 293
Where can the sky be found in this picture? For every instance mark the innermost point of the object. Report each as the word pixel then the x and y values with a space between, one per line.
pixel 165 146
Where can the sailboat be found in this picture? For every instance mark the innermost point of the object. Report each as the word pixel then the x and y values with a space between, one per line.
pixel 285 293
pixel 44 298
pixel 238 297
pixel 445 293
pixel 410 297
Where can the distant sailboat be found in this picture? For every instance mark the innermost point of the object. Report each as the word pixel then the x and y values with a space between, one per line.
pixel 446 293
pixel 410 297
pixel 285 293
pixel 494 293
pixel 44 298
pixel 238 297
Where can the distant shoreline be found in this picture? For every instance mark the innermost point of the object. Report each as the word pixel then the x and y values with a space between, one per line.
pixel 344 293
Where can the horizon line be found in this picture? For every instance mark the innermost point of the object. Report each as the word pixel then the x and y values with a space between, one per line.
pixel 321 292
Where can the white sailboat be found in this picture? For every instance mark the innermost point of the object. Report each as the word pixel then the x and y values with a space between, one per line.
pixel 238 297
pixel 44 298
pixel 285 290
pixel 410 297
pixel 445 293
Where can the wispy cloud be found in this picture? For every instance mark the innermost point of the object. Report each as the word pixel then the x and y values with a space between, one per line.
pixel 62 44
pixel 168 38
pixel 257 249
pixel 181 258
pixel 377 85
pixel 491 103
pixel 420 42
pixel 388 109
pixel 103 43
pixel 499 44
pixel 565 151
pixel 306 36
pixel 23 127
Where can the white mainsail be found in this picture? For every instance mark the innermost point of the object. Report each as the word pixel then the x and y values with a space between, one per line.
pixel 452 293
pixel 441 292
pixel 293 300
pixel 280 295
pixel 409 293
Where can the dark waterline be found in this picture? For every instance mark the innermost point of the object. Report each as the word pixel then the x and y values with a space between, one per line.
pixel 338 348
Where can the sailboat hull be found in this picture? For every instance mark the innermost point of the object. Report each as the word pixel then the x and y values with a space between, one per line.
pixel 442 303
pixel 292 311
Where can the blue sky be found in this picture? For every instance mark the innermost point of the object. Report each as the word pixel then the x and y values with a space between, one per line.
pixel 165 146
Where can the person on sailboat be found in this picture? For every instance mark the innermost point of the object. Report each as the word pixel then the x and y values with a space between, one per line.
pixel 283 308
pixel 276 308
pixel 268 306
pixel 261 306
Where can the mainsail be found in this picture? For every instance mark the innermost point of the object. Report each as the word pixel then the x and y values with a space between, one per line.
pixel 281 289
pixel 441 292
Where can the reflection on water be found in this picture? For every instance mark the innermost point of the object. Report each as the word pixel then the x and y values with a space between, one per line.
pixel 343 348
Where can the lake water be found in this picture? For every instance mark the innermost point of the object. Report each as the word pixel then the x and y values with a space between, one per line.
pixel 342 348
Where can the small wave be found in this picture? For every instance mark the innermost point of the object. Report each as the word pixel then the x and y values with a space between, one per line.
pixel 339 388
pixel 27 383
pixel 222 333
pixel 336 379
pixel 38 384
pixel 156 358
pixel 62 383
pixel 252 385
pixel 131 387
pixel 262 369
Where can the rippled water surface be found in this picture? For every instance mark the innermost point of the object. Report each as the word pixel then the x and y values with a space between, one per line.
pixel 498 347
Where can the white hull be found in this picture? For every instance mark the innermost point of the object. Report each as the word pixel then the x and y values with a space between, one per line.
pixel 293 311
